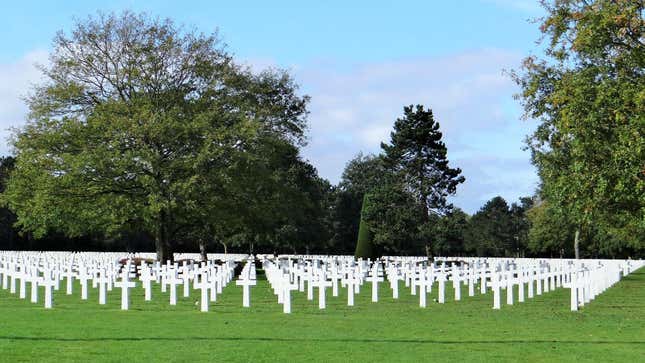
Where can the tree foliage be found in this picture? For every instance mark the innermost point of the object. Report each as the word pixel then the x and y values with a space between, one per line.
pixel 417 154
pixel 139 125
pixel 419 182
pixel 588 94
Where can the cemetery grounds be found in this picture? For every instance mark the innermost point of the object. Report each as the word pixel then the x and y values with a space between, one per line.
pixel 543 329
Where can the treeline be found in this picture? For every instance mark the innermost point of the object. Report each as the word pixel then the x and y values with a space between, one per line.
pixel 146 136
pixel 525 228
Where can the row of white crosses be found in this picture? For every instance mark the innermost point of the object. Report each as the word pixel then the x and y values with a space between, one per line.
pixel 585 278
pixel 288 274
pixel 106 271
pixel 529 277
pixel 589 278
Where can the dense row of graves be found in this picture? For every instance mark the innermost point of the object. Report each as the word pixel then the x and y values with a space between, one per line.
pixel 33 274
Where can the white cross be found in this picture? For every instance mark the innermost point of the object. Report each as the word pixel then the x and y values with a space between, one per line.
pixel 214 279
pixel 496 291
pixel 12 278
pixel 482 284
pixel 509 287
pixel 352 281
pixel 5 276
pixel 33 281
pixel 69 274
pixel 538 280
pixel 334 280
pixel 310 283
pixel 22 275
pixel 48 282
pixel 374 278
pixel 125 284
pixel 321 283
pixel 203 285
pixel 529 280
pixel 424 281
pixel 172 280
pixel 471 282
pixel 246 284
pixel 103 280
pixel 185 276
pixel 287 287
pixel 520 285
pixel 441 279
pixel 146 278
pixel 456 282
pixel 394 278
pixel 83 277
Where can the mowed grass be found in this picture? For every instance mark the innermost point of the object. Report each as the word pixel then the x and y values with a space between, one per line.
pixel 610 329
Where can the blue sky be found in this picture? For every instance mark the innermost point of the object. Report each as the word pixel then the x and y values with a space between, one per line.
pixel 360 61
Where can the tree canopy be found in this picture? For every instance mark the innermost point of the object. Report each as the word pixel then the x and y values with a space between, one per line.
pixel 137 123
pixel 588 94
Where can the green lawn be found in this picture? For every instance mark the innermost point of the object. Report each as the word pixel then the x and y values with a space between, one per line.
pixel 611 328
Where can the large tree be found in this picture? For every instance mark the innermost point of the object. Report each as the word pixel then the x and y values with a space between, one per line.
pixel 491 231
pixel 139 123
pixel 588 94
pixel 8 236
pixel 450 232
pixel 549 232
pixel 419 157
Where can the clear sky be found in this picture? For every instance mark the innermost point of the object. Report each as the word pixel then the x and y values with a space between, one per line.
pixel 360 61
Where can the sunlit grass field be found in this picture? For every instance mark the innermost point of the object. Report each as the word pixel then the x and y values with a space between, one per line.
pixel 611 328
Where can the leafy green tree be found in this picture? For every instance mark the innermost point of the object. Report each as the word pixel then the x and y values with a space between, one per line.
pixel 418 156
pixel 588 94
pixel 138 124
pixel 392 214
pixel 490 231
pixel 520 225
pixel 550 232
pixel 9 239
pixel 450 232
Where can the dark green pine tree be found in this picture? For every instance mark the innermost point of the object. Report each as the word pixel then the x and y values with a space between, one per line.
pixel 417 154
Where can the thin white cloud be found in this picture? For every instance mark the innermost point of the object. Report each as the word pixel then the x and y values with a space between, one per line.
pixel 353 109
pixel 16 79
pixel 527 6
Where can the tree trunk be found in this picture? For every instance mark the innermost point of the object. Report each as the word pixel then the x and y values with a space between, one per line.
pixel 202 250
pixel 225 248
pixel 162 241
pixel 576 244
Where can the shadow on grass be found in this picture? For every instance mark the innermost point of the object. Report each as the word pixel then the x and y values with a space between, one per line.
pixel 320 340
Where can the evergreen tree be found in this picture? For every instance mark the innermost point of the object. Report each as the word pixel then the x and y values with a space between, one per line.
pixel 364 246
pixel 490 231
pixel 418 156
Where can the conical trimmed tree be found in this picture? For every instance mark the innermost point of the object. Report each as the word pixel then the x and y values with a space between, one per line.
pixel 365 245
